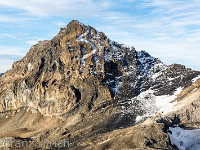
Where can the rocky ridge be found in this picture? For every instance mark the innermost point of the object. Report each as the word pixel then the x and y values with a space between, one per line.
pixel 91 84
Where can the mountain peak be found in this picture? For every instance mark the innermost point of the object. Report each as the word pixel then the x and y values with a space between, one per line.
pixel 82 63
pixel 91 83
pixel 75 23
pixel 73 29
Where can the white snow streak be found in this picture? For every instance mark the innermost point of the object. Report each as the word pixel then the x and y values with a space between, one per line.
pixel 89 54
pixel 195 79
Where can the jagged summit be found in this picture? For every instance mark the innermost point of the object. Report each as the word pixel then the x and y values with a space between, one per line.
pixel 74 27
pixel 75 23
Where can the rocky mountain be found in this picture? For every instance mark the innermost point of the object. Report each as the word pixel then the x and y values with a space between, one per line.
pixel 84 87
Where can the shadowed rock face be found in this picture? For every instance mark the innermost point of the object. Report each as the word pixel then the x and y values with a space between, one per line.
pixel 89 80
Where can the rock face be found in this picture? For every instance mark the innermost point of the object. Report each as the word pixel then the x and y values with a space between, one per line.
pixel 189 104
pixel 93 84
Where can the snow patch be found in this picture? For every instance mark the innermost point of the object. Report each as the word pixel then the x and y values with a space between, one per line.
pixel 114 84
pixel 184 102
pixel 107 55
pixel 147 104
pixel 185 139
pixel 89 54
pixel 30 67
pixel 117 52
pixel 164 102
pixel 83 39
pixel 196 78
pixel 148 65
pixel 139 118
pixel 104 141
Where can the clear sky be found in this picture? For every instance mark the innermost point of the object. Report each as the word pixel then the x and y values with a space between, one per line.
pixel 167 29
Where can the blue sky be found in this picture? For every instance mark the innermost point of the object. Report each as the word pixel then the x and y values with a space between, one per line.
pixel 167 29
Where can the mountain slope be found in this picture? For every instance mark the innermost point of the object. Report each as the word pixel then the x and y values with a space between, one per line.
pixel 91 83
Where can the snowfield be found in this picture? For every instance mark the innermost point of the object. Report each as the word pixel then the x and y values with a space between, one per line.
pixel 185 139
pixel 151 104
